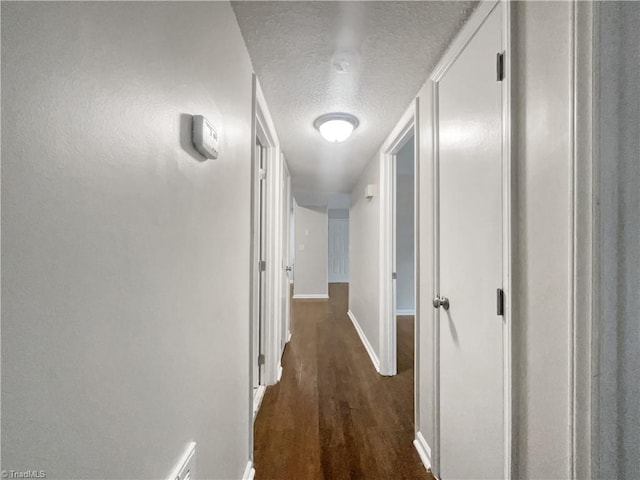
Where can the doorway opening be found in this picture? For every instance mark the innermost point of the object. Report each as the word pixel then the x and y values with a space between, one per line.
pixel 404 262
pixel 398 144
pixel 338 243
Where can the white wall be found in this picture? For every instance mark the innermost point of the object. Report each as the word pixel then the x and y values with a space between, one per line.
pixel 542 102
pixel 405 229
pixel 364 254
pixel 311 251
pixel 125 313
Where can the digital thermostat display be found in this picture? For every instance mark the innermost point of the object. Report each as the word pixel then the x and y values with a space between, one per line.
pixel 205 137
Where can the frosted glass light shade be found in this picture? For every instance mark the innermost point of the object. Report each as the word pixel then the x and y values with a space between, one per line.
pixel 336 130
pixel 336 127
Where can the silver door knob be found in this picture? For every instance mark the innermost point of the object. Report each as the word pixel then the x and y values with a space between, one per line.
pixel 440 301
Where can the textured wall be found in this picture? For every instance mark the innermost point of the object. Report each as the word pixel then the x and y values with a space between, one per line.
pixel 311 263
pixel 364 254
pixel 618 332
pixel 125 257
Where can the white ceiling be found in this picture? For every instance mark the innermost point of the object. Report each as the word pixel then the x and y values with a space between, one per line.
pixel 391 48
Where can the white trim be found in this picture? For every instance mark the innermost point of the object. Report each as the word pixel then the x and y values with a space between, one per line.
pixel 509 237
pixel 417 172
pixel 435 281
pixel 585 239
pixel 279 372
pixel 289 337
pixel 423 449
pixel 387 309
pixel 179 467
pixel 299 296
pixel 249 471
pixel 405 312
pixel 258 395
pixel 452 53
pixel 365 341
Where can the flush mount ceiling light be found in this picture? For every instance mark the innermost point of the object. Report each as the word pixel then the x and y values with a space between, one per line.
pixel 336 127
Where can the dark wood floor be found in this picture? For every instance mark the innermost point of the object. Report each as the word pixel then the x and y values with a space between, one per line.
pixel 332 416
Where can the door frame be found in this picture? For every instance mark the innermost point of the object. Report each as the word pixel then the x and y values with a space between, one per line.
pixel 508 180
pixel 287 205
pixel 387 321
pixel 264 129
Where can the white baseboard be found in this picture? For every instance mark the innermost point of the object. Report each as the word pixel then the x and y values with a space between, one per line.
pixel 249 471
pixel 365 341
pixel 405 312
pixel 423 450
pixel 258 395
pixel 279 372
pixel 288 337
pixel 310 295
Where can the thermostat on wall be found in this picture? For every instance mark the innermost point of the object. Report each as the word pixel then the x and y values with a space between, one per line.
pixel 205 137
pixel 369 191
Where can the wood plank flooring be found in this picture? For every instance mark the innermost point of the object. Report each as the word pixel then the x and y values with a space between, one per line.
pixel 332 416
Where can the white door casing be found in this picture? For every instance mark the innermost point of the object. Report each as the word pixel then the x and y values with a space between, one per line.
pixel 261 317
pixel 402 132
pixel 472 253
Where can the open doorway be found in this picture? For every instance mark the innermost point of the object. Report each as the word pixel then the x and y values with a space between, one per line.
pixel 338 243
pixel 404 212
pixel 400 143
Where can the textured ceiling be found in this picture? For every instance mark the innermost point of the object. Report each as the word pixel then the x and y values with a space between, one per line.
pixel 388 49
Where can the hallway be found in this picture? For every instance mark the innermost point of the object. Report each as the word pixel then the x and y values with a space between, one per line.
pixel 332 416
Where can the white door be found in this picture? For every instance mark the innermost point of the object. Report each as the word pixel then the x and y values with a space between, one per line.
pixel 338 254
pixel 470 259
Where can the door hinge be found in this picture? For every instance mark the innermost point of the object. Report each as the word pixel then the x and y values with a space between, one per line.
pixel 261 359
pixel 500 66
pixel 394 276
pixel 500 302
pixel 262 265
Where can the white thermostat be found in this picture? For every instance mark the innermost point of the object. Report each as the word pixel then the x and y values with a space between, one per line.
pixel 205 137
